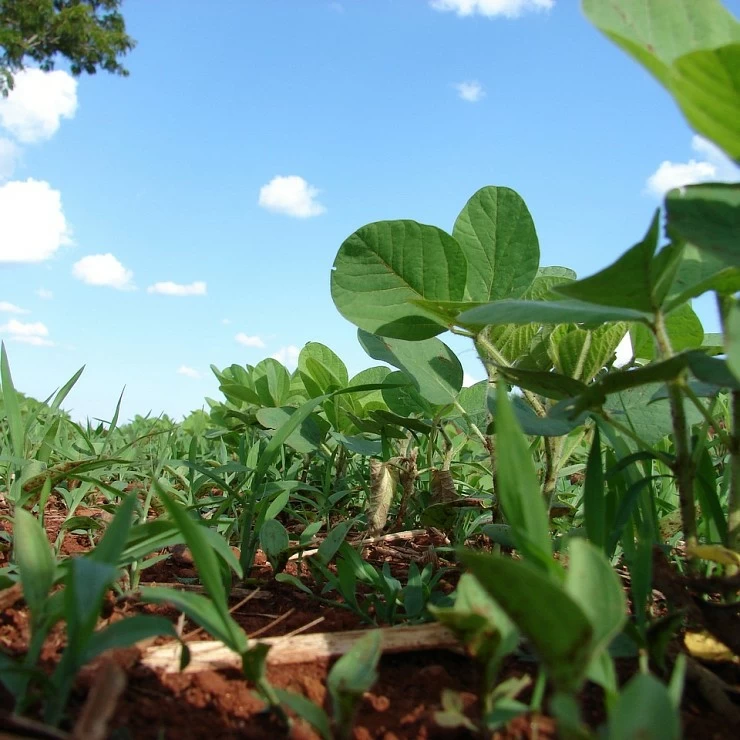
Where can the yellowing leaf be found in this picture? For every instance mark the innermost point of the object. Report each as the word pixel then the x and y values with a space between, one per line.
pixel 715 553
pixel 704 646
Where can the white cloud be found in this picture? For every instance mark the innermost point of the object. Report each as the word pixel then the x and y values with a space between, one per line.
pixel 33 109
pixel 170 288
pixel 104 270
pixel 288 356
pixel 469 380
pixel 492 8
pixel 713 166
pixel 30 333
pixel 6 307
pixel 248 341
pixel 225 322
pixel 32 223
pixel 44 294
pixel 188 372
pixel 9 154
pixel 471 91
pixel 291 195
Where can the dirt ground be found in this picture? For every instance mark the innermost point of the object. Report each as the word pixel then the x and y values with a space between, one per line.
pixel 221 704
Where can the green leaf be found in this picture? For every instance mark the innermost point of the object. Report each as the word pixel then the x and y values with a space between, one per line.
pixel 127 632
pixel 34 559
pixel 274 538
pixel 12 407
pixel 596 588
pixel 683 327
pixel 111 546
pixel 582 353
pixel 356 671
pixel 306 710
pixel 271 382
pixel 201 610
pixel 699 272
pixel 708 215
pixel 281 435
pixel 656 33
pixel 705 85
pixel 305 439
pixel 330 545
pixel 518 490
pixel 546 312
pixel 649 419
pixel 431 364
pixel 554 623
pixel 496 232
pixel 594 494
pixel 547 384
pixel 732 339
pixel 321 369
pixel 630 282
pixel 359 445
pixel 383 266
pixel 208 569
pixel 644 709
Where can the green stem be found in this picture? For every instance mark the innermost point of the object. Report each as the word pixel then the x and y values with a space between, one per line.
pixel 724 304
pixel 683 466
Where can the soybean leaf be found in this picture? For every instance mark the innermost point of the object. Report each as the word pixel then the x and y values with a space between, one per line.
pixel 590 573
pixel 708 215
pixel 656 33
pixel 649 419
pixel 321 370
pixel 275 540
pixel 305 439
pixel 644 709
pixel 34 559
pixel 546 312
pixel 432 366
pixel 547 384
pixel 271 382
pixel 699 272
pixel 704 83
pixel 496 232
pixel 582 353
pixel 683 327
pixel 554 623
pixel 518 490
pixel 630 282
pixel 383 266
pixel 328 548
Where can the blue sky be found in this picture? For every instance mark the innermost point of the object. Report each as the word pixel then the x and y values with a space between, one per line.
pixel 254 136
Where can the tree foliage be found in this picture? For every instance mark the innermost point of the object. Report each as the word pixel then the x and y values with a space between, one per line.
pixel 90 34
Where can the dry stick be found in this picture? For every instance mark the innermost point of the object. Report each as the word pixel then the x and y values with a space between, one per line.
pixel 407 535
pixel 236 606
pixel 213 655
pixel 298 630
pixel 267 627
pixel 243 593
pixel 109 684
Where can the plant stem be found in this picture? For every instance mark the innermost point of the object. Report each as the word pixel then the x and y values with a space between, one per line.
pixel 724 304
pixel 683 466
